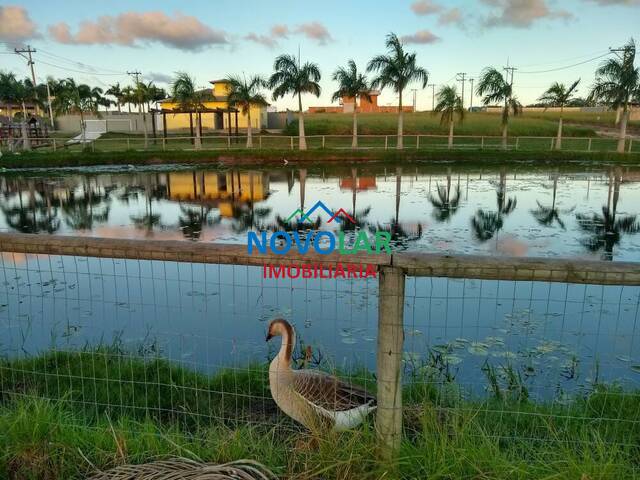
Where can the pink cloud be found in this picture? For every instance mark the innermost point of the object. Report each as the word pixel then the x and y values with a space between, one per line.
pixel 16 25
pixel 179 31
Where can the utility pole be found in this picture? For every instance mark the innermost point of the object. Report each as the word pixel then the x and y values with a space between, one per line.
pixel 433 96
pixel 415 91
pixel 471 95
pixel 136 74
pixel 460 77
pixel 28 51
pixel 510 69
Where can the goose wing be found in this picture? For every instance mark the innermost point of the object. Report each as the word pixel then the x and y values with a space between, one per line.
pixel 330 393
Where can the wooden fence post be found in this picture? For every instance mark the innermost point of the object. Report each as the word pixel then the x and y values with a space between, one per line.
pixel 54 145
pixel 417 142
pixel 482 143
pixel 164 144
pixel 551 146
pixel 260 142
pixel 389 360
pixel 291 141
pixel 323 143
pixel 630 144
pixel 517 142
pixel 589 147
pixel 386 142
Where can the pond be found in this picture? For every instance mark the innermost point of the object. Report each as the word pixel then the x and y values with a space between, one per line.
pixel 525 212
pixel 554 338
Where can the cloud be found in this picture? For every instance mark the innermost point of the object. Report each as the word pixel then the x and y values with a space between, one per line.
pixel 183 32
pixel 451 17
pixel 421 37
pixel 315 31
pixel 159 77
pixel 15 24
pixel 425 7
pixel 280 31
pixel 521 13
pixel 266 40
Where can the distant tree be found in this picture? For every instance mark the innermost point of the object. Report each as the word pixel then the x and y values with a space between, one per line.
pixel 75 98
pixel 289 77
pixel 128 97
pixel 351 84
pixel 116 92
pixel 449 105
pixel 617 83
pixel 397 69
pixel 558 95
pixel 496 89
pixel 185 94
pixel 245 94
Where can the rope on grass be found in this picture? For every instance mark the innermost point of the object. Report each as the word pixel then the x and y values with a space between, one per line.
pixel 185 469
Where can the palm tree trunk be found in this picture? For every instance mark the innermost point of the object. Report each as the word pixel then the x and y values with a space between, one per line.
pixel 559 138
pixel 83 130
pixel 144 127
pixel 623 130
pixel 198 144
pixel 26 142
pixel 451 133
pixel 354 142
pixel 399 143
pixel 302 145
pixel 119 105
pixel 249 132
pixel 505 126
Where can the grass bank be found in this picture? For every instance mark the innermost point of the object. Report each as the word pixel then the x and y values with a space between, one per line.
pixel 479 123
pixel 276 157
pixel 64 414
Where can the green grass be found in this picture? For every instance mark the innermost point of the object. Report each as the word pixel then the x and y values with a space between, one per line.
pixel 274 157
pixel 63 414
pixel 426 123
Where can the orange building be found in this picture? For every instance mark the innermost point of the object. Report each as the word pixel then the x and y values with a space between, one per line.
pixel 366 105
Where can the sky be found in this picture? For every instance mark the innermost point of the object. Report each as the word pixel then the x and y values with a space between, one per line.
pixel 98 42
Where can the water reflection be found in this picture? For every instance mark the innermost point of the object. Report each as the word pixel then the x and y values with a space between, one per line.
pixel 528 212
pixel 605 230
pixel 485 223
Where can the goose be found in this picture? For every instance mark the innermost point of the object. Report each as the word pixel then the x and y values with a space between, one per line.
pixel 315 399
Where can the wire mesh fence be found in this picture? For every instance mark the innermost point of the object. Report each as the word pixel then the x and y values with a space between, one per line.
pixel 525 350
pixel 179 142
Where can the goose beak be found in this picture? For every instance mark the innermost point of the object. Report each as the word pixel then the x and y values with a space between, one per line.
pixel 269 337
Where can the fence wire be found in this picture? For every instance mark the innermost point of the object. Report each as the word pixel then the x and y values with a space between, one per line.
pixel 185 342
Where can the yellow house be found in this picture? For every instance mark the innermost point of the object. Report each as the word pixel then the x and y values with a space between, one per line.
pixel 216 115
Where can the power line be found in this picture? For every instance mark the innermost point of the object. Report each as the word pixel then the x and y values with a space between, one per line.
pixel 567 66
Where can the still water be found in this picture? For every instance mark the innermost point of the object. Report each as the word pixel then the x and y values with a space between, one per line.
pixel 575 213
pixel 559 338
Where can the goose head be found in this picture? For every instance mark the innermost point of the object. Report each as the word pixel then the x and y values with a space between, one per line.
pixel 279 327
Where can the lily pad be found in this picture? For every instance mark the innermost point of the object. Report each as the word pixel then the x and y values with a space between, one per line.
pixel 479 349
pixel 635 368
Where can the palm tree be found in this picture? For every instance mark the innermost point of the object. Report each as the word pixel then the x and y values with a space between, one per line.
pixel 116 92
pixel 142 95
pixel 291 78
pixel 75 98
pixel 128 97
pixel 617 82
pixel 351 84
pixel 184 93
pixel 396 70
pixel 495 88
pixel 14 91
pixel 450 105
pixel 246 94
pixel 557 95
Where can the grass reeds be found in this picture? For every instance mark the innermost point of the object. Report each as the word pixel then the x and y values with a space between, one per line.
pixel 65 414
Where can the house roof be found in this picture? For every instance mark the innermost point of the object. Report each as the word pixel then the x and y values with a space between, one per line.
pixel 207 96
pixel 220 80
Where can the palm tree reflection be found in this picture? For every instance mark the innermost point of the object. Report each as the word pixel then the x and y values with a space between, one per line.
pixel 445 205
pixel 548 215
pixel 485 224
pixel 605 230
pixel 193 219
